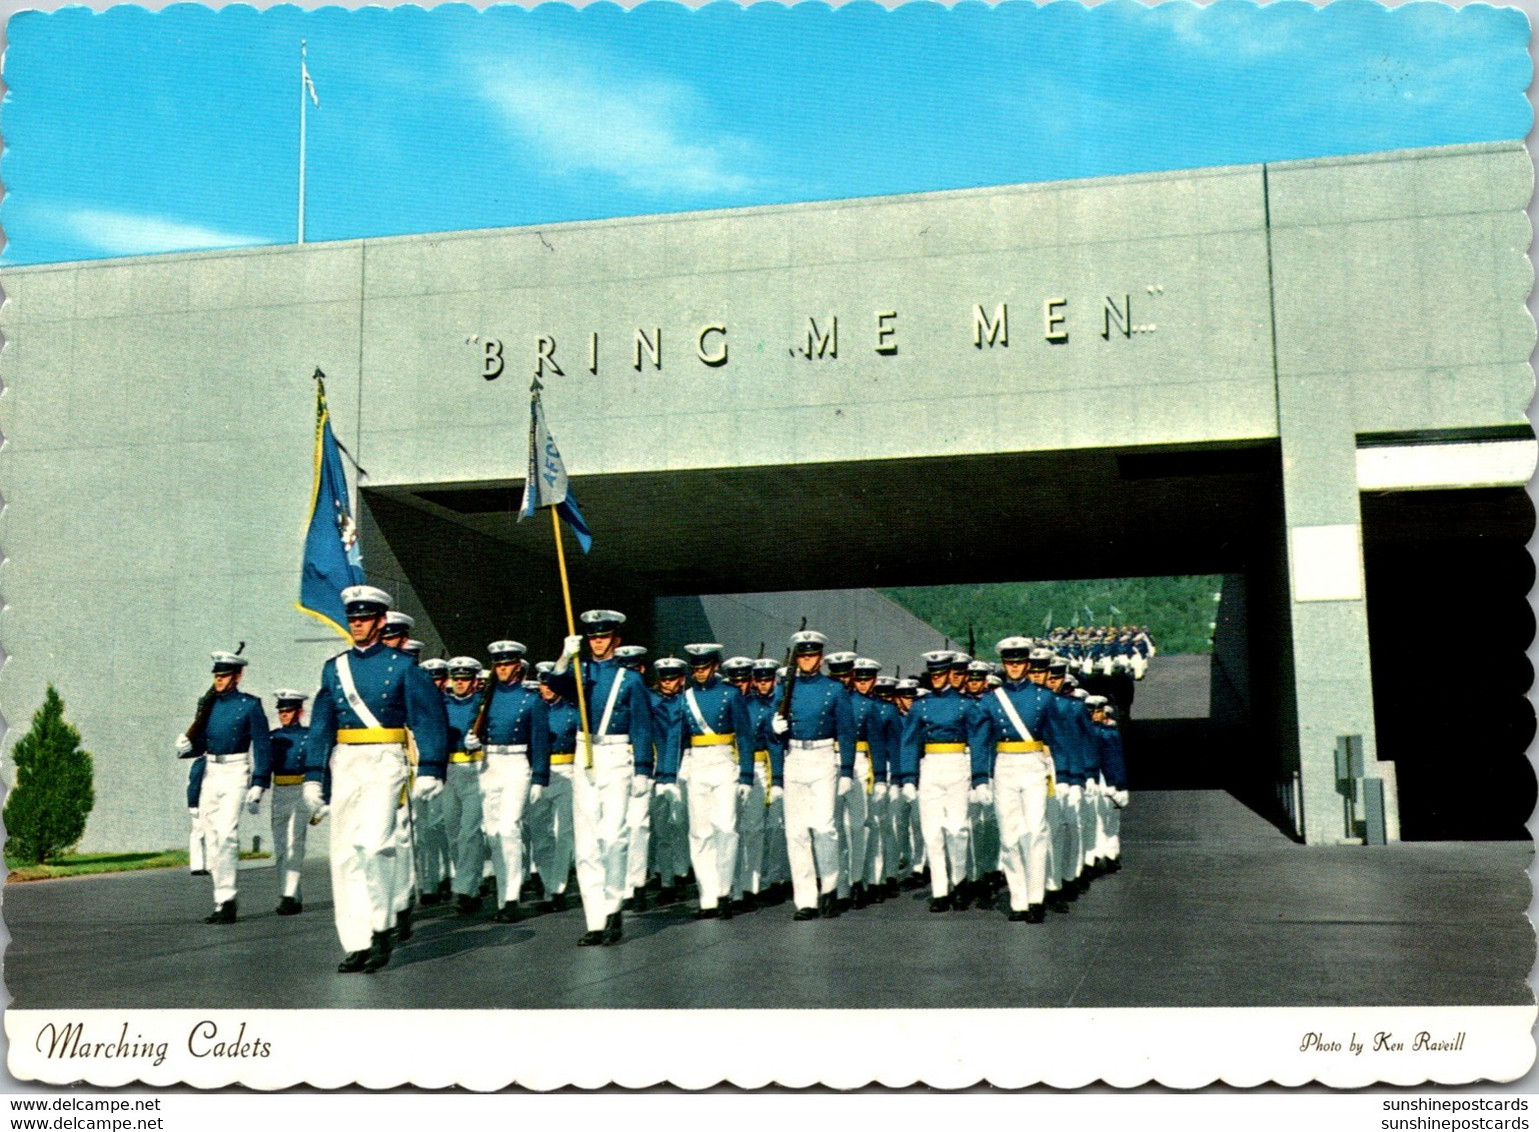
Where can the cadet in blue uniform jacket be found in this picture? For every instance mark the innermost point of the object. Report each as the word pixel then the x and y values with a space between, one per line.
pixel 1113 796
pixel 550 816
pixel 291 817
pixel 1073 753
pixel 462 801
pixel 819 764
pixel 934 753
pixel 234 744
pixel 516 737
pixel 197 854
pixel 670 820
pixel 865 842
pixel 761 825
pixel 369 696
pixel 714 723
pixel 617 767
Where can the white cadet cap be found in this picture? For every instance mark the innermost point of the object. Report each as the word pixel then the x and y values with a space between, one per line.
pixel 703 654
pixel 288 696
pixel 366 599
pixel 864 664
pixel 228 662
pixel 1015 648
pixel 505 651
pixel 433 665
pixel 598 622
pixel 412 647
pixel 464 666
pixel 395 620
pixel 937 660
pixel 808 641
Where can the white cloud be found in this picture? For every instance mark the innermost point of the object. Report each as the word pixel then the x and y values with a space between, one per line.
pixel 638 132
pixel 128 233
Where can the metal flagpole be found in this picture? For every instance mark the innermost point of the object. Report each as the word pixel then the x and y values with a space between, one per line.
pixel 304 76
pixel 571 631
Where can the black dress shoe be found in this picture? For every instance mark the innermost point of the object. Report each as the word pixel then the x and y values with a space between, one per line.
pixel 962 896
pixel 639 900
pixel 1113 865
pixel 708 913
pixel 727 910
pixel 558 902
pixel 940 903
pixel 379 952
pixel 828 906
pixel 1020 916
pixel 805 914
pixel 858 895
pixel 590 939
pixel 508 913
pixel 891 888
pixel 666 895
pixel 468 905
pixel 197 872
pixel 488 887
pixel 614 927
pixel 224 914
pixel 431 899
pixel 445 889
pixel 403 925
pixel 288 906
pixel 352 962
pixel 1035 914
pixel 1057 901
pixel 842 904
pixel 533 889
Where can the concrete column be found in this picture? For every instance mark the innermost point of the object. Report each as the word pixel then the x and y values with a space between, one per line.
pixel 1327 607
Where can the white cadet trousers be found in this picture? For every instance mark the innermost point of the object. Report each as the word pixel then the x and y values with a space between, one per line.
pixel 812 842
pixel 879 838
pixel 944 779
pixel 432 843
pixel 1020 800
pixel 291 822
pixel 713 820
pixel 462 808
pixel 1063 821
pixel 219 802
pixel 983 856
pixel 504 797
pixel 853 827
pixel 638 824
pixel 404 881
pixel 366 784
pixel 600 804
pixel 197 855
pixel 1090 807
pixel 550 830
pixel 751 820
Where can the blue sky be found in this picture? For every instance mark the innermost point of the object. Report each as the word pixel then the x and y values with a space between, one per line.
pixel 131 132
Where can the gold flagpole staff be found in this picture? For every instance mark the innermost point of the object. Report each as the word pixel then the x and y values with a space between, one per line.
pixel 571 631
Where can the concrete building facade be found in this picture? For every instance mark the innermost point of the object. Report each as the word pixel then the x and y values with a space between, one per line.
pixel 1198 372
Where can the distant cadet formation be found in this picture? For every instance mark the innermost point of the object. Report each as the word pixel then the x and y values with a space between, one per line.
pixel 823 781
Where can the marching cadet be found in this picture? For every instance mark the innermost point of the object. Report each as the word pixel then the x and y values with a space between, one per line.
pixel 934 754
pixel 369 696
pixel 1114 787
pixel 514 729
pixel 669 820
pixel 817 727
pixel 1071 751
pixel 550 814
pixel 437 670
pixel 885 799
pixel 638 816
pixel 862 823
pixel 620 748
pixel 716 726
pixel 773 880
pixel 463 803
pixel 409 812
pixel 983 863
pixel 291 817
pixel 432 847
pixel 851 809
pixel 412 648
pixel 748 869
pixel 233 742
pixel 1012 731
pixel 905 811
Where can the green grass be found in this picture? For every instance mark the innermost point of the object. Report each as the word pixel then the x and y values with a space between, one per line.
pixel 86 864
pixel 1177 610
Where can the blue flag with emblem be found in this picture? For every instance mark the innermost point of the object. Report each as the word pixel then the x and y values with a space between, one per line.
pixel 333 560
pixel 545 484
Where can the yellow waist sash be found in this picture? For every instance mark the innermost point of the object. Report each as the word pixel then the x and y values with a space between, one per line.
pixel 371 735
pixel 467 756
pixel 288 780
pixel 1018 746
pixel 565 758
pixel 945 748
pixel 711 740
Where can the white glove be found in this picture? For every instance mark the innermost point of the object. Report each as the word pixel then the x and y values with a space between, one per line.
pixel 1071 795
pixel 668 791
pixel 777 793
pixel 779 724
pixel 570 647
pixel 984 792
pixel 427 787
pixel 641 786
pixel 183 746
pixel 879 792
pixel 535 792
pixel 315 818
pixel 311 792
pixel 192 811
pixel 1120 798
pixel 743 791
pixel 472 743
pixel 253 799
pixel 910 792
pixel 846 784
